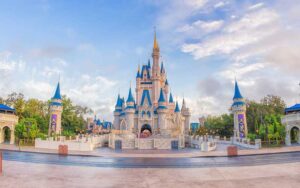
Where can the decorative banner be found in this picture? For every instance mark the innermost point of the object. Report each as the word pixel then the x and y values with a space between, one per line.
pixel 241 121
pixel 53 121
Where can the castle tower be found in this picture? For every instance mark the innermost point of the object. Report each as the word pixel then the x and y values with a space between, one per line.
pixel 138 88
pixel 238 109
pixel 130 110
pixel 171 103
pixel 162 111
pixel 117 112
pixel 56 109
pixel 187 115
pixel 155 71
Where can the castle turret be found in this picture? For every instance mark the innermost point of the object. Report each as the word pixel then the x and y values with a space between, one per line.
pixel 171 103
pixel 138 83
pixel 130 110
pixel 238 109
pixel 162 110
pixel 155 71
pixel 56 109
pixel 187 115
pixel 118 110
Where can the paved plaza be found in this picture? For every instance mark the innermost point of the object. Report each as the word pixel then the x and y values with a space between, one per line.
pixel 19 174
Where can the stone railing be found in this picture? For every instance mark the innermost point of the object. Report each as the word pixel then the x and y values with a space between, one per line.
pixel 245 142
pixel 205 143
pixel 88 143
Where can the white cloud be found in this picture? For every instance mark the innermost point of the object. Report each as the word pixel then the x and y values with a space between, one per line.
pixel 256 6
pixel 250 29
pixel 219 4
pixel 201 26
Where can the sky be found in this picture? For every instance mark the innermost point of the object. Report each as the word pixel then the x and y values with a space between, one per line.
pixel 96 47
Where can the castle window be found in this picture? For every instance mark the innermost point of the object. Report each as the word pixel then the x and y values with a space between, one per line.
pixel 149 114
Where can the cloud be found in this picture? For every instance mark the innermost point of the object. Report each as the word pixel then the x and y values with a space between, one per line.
pixel 250 29
pixel 219 4
pixel 201 26
pixel 174 12
pixel 48 52
pixel 256 6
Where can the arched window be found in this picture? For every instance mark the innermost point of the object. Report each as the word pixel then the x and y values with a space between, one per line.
pixel 149 114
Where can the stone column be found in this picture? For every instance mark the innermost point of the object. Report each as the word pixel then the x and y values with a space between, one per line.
pixel 1 134
pixel 287 137
pixel 0 163
pixel 12 136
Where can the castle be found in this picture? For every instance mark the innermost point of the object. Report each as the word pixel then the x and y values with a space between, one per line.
pixel 153 111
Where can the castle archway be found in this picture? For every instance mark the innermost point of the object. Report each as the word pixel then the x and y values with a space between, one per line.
pixel 146 131
pixel 295 136
pixel 6 135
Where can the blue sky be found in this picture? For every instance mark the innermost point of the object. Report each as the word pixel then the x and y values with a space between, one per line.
pixel 96 47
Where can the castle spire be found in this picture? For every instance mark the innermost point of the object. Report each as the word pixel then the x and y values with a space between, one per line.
pixel 130 97
pixel 162 68
pixel 171 98
pixel 155 43
pixel 57 92
pixel 177 107
pixel 138 74
pixel 237 93
pixel 161 96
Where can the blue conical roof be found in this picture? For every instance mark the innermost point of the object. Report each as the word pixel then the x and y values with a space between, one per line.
pixel 149 65
pixel 177 107
pixel 162 69
pixel 119 101
pixel 161 96
pixel 237 93
pixel 166 82
pixel 57 92
pixel 130 97
pixel 138 75
pixel 171 98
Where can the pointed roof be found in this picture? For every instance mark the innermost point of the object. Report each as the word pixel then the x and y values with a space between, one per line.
pixel 161 96
pixel 155 43
pixel 138 74
pixel 119 101
pixel 146 96
pixel 183 104
pixel 166 82
pixel 57 92
pixel 177 107
pixel 130 97
pixel 149 64
pixel 162 68
pixel 147 69
pixel 237 93
pixel 171 98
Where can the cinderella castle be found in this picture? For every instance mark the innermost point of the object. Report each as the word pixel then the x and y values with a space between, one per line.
pixel 152 112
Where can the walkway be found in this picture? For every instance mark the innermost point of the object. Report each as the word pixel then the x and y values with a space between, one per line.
pixel 31 175
pixel 107 152
pixel 199 162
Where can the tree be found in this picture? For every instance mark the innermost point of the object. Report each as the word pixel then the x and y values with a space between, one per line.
pixel 220 125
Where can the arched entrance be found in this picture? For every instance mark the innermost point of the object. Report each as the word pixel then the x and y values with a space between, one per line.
pixel 294 135
pixel 6 134
pixel 146 131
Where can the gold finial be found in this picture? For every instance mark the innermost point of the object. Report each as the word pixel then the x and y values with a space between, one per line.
pixel 155 44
